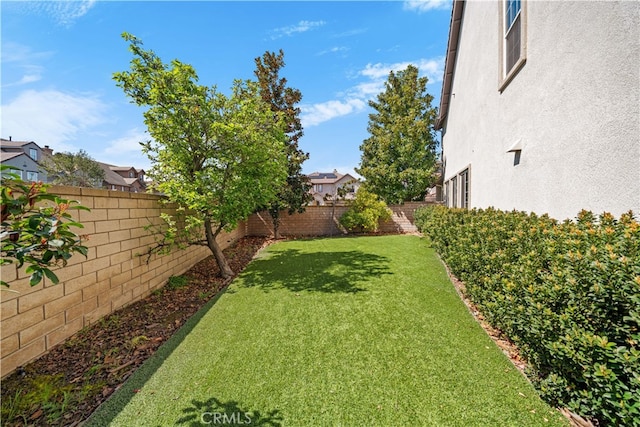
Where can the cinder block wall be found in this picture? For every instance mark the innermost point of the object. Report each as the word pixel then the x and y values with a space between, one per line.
pixel 34 319
pixel 323 221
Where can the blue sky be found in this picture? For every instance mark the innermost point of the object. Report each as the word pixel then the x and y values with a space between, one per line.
pixel 58 58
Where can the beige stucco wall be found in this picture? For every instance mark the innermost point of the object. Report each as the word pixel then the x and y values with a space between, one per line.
pixel 575 106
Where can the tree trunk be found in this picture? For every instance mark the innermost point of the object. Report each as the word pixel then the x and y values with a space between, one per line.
pixel 225 269
pixel 275 219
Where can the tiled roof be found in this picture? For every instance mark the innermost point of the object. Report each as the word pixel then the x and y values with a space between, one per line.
pixel 7 155
pixel 14 144
pixel 324 177
pixel 112 177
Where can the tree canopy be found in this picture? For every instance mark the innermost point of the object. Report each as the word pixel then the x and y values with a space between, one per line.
pixel 77 170
pixel 217 156
pixel 294 194
pixel 398 159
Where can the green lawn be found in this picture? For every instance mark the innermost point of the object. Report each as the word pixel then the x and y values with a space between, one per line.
pixel 364 331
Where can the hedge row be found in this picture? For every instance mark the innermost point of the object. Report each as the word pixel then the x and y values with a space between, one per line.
pixel 567 294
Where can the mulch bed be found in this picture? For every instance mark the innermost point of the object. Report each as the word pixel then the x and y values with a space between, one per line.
pixel 75 377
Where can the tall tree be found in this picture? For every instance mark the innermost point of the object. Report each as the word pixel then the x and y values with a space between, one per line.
pixel 218 157
pixel 76 170
pixel 398 159
pixel 294 195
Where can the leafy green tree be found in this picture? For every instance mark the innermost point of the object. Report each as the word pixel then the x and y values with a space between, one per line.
pixel 217 157
pixel 294 195
pixel 365 212
pixel 36 228
pixel 77 170
pixel 398 159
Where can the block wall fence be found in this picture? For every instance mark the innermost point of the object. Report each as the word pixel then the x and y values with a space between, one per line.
pixel 34 319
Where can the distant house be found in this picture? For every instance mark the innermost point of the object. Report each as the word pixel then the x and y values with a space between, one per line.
pixel 325 186
pixel 25 156
pixel 540 106
pixel 123 178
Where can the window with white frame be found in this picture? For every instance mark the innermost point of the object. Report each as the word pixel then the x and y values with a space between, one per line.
pixel 32 176
pixel 33 153
pixel 454 192
pixel 512 54
pixel 464 189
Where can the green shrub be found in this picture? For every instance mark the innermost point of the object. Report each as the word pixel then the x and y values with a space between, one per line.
pixel 37 228
pixel 568 294
pixel 365 212
pixel 177 282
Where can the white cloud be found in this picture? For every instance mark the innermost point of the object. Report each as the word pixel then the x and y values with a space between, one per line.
pixel 432 68
pixel 426 5
pixel 300 27
pixel 336 49
pixel 126 150
pixel 63 12
pixel 315 114
pixel 50 117
pixel 356 98
pixel 25 60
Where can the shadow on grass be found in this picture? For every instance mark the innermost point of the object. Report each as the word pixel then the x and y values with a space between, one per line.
pixel 108 411
pixel 230 413
pixel 329 272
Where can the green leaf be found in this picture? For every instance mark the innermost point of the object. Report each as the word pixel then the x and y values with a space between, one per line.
pixel 82 249
pixel 51 275
pixel 36 278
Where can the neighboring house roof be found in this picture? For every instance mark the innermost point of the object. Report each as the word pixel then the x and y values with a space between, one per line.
pixel 325 177
pixel 7 155
pixel 6 143
pixel 111 177
pixel 450 63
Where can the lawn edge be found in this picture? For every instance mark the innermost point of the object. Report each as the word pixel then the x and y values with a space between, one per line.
pixel 110 408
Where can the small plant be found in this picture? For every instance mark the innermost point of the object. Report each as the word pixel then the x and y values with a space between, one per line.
pixel 33 232
pixel 177 282
pixel 48 396
pixel 110 321
pixel 365 212
pixel 136 341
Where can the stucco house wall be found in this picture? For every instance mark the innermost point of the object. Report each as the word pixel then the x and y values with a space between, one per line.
pixel 573 109
pixel 17 154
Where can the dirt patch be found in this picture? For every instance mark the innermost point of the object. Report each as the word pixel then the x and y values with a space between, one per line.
pixel 64 386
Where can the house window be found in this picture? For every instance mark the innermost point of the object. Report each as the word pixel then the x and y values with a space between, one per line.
pixel 512 54
pixel 464 189
pixel 446 193
pixel 317 188
pixel 33 153
pixel 454 192
pixel 32 176
pixel 513 34
pixel 131 174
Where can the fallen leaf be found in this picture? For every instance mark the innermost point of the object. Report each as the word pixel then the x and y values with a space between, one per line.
pixel 36 415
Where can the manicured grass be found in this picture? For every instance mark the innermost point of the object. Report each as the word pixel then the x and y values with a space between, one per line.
pixel 333 332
